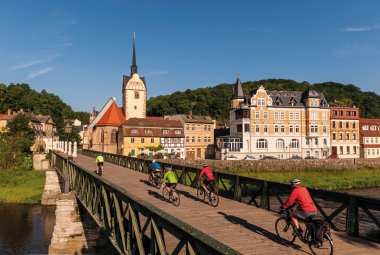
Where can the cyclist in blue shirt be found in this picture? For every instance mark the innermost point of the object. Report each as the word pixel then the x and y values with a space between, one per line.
pixel 155 167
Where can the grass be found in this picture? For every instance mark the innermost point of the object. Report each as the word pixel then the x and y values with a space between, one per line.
pixel 321 178
pixel 21 186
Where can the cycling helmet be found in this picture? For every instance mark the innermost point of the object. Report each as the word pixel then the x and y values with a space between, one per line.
pixel 153 160
pixel 204 165
pixel 294 181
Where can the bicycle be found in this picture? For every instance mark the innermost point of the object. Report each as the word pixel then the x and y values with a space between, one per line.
pixel 156 181
pixel 286 229
pixel 99 171
pixel 212 194
pixel 172 196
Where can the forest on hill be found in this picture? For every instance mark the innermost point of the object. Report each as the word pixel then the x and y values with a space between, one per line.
pixel 215 101
pixel 21 96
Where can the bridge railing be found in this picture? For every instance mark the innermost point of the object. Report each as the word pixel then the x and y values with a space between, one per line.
pixel 356 215
pixel 133 225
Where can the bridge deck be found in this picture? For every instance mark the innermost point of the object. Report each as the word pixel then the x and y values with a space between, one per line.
pixel 245 228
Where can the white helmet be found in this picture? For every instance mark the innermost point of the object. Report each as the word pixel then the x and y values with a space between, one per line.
pixel 153 161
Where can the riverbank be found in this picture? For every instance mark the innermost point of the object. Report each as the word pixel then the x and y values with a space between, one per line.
pixel 21 186
pixel 329 179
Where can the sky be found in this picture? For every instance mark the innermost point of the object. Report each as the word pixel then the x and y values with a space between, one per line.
pixel 80 50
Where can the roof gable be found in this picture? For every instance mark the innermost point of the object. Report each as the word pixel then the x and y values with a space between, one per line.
pixel 111 116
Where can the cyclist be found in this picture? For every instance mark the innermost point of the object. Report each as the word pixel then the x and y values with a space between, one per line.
pixel 305 205
pixel 155 167
pixel 170 180
pixel 209 180
pixel 99 161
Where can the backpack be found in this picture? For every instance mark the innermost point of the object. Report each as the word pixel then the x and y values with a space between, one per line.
pixel 320 227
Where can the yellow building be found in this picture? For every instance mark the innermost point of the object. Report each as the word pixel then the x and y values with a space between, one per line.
pixel 282 124
pixel 199 135
pixel 139 134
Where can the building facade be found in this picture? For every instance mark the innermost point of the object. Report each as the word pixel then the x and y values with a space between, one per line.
pixel 282 124
pixel 345 142
pixel 140 136
pixel 199 135
pixel 369 138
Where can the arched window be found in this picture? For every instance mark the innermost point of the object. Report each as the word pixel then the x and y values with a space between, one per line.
pixel 294 144
pixel 280 144
pixel 262 144
pixel 113 136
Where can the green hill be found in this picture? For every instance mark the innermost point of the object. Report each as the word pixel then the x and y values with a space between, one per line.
pixel 215 101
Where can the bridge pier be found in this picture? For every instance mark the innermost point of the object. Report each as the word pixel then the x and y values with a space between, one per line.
pixel 52 188
pixel 68 236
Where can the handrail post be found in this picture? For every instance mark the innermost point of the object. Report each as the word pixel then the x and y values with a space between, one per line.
pixel 237 189
pixel 352 217
pixel 264 203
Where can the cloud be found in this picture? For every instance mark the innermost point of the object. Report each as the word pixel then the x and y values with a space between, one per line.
pixel 157 73
pixel 356 49
pixel 356 29
pixel 34 74
pixel 31 63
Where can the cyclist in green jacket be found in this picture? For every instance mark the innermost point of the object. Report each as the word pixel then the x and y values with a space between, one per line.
pixel 99 161
pixel 170 180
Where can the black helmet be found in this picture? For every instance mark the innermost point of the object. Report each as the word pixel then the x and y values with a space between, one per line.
pixel 294 181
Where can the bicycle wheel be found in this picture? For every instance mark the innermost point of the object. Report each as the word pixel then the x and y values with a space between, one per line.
pixel 165 194
pixel 285 230
pixel 326 248
pixel 213 198
pixel 158 183
pixel 201 193
pixel 174 197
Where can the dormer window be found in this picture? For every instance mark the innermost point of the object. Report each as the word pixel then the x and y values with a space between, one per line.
pixel 365 127
pixel 261 102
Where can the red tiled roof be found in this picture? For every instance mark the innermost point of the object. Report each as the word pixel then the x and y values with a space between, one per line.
pixel 2 115
pixel 363 121
pixel 112 117
pixel 152 122
pixel 370 133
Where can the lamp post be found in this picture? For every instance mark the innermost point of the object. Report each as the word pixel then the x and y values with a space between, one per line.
pixel 68 129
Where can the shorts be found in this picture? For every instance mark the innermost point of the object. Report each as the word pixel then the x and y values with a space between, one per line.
pixel 100 163
pixel 299 213
pixel 171 185
pixel 209 182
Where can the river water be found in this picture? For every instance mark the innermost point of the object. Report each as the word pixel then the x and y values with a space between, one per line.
pixel 26 229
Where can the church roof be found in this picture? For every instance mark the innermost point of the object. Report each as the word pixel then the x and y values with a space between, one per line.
pixel 238 90
pixel 111 116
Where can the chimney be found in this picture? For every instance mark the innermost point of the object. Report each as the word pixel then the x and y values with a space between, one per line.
pixel 9 111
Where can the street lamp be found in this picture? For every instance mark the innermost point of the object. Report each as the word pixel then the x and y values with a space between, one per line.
pixel 68 128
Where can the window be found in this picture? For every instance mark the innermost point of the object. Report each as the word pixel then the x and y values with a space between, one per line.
pixel 178 131
pixel 151 140
pixel 239 128
pixel 261 102
pixel 209 139
pixel 354 149
pixel 333 124
pixel 353 125
pixel 340 124
pixel 324 129
pixel 165 131
pixel 373 128
pixel 205 128
pixel 282 129
pixel 148 131
pixel 257 129
pixel 307 141
pixel 262 144
pixel 137 95
pixel 276 129
pixel 132 140
pixel 193 127
pixel 291 115
pixel 199 128
pixel 113 136
pixel 353 113
pixel 353 136
pixel 135 107
pixel 142 140
pixel 280 144
pixel 266 115
pixel 297 129
pixel 282 115
pixel 340 136
pixel 133 152
pixel 324 141
pixel 193 139
pixel 199 139
pixel 187 139
pixel 340 149
pixel 365 127
pixel 265 129
pixel 334 136
pixel 187 127
pixel 348 149
pixel 257 115
pixel 205 139
pixel 347 136
pixel 324 116
pixel 347 124
pixel 316 141
pixel 294 144
pixel 291 129
pixel 297 115
pixel 209 127
pixel 246 127
pixel 276 115
pixel 135 131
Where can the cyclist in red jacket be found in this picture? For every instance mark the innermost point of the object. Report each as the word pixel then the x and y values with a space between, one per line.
pixel 305 205
pixel 209 180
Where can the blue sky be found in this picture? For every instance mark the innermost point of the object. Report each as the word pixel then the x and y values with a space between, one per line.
pixel 79 50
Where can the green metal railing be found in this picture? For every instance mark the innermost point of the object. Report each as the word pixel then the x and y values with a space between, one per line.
pixel 133 225
pixel 356 215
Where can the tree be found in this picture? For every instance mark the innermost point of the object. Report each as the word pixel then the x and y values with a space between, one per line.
pixel 22 135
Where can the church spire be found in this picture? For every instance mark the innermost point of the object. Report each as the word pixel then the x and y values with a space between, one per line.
pixel 134 65
pixel 238 89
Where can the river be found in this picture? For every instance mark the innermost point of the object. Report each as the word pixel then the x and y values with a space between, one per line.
pixel 27 229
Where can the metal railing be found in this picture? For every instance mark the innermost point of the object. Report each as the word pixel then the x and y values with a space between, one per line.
pixel 133 225
pixel 357 215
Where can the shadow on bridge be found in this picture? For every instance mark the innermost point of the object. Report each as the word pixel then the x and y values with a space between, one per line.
pixel 262 232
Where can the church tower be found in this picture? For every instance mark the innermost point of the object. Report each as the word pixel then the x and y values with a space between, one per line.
pixel 134 90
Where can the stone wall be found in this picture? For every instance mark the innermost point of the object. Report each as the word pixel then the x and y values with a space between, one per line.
pixel 278 165
pixel 52 188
